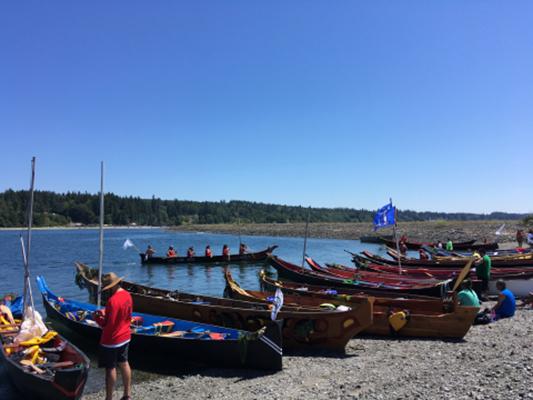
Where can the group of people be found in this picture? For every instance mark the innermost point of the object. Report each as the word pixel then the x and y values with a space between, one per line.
pixel 520 236
pixel 506 304
pixel 171 252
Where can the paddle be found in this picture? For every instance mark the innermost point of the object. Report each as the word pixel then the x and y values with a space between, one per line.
pixel 464 273
pixel 28 363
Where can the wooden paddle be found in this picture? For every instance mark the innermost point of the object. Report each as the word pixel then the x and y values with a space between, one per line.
pixel 464 273
pixel 28 363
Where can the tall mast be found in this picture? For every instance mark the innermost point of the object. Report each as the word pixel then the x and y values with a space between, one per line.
pixel 396 239
pixel 26 252
pixel 305 237
pixel 101 241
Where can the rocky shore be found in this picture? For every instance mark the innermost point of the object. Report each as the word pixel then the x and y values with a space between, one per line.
pixel 492 362
pixel 425 231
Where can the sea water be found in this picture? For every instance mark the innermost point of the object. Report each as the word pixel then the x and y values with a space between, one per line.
pixel 54 252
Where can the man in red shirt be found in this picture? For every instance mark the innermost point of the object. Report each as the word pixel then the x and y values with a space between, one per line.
pixel 115 321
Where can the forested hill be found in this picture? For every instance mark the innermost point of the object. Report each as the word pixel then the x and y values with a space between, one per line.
pixel 54 209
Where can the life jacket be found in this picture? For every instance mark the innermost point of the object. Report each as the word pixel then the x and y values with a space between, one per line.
pixel 171 253
pixel 208 253
pixel 225 251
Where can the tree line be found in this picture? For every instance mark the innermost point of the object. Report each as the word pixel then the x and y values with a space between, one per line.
pixel 59 209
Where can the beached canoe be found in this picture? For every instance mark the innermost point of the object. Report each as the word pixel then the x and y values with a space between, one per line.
pixel 168 343
pixel 431 317
pixel 303 327
pixel 467 245
pixel 62 379
pixel 234 258
pixel 440 263
pixel 295 273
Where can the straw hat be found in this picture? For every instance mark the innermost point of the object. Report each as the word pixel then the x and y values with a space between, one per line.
pixel 110 280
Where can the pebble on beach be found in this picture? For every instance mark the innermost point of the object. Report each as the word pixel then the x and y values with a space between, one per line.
pixel 493 361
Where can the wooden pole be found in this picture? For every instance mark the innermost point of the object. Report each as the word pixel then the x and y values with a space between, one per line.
pixel 397 240
pixel 305 237
pixel 101 239
pixel 239 225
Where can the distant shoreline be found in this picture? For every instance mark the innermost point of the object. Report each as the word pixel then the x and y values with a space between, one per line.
pixel 62 228
pixel 420 230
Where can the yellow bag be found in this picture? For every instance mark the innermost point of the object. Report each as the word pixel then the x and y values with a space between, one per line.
pixel 398 320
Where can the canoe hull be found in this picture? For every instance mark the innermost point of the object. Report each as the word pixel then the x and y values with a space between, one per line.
pixel 297 274
pixel 428 318
pixel 236 258
pixel 172 353
pixel 67 384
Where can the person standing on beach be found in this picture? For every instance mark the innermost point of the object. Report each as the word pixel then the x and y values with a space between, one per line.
pixel 520 237
pixel 115 321
pixel 483 266
pixel 449 245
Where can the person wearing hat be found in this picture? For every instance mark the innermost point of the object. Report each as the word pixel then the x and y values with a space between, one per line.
pixel 116 335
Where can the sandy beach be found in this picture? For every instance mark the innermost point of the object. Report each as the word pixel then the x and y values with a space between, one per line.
pixel 492 362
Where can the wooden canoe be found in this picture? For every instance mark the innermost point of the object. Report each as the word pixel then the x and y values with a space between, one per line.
pixel 413 262
pixel 62 380
pixel 467 245
pixel 434 318
pixel 373 276
pixel 186 343
pixel 297 274
pixel 234 258
pixel 303 327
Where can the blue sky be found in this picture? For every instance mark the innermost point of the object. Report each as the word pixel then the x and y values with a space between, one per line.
pixel 301 102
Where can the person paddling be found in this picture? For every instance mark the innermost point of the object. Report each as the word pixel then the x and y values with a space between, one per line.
pixel 149 253
pixel 243 249
pixel 226 252
pixel 171 252
pixel 208 252
pixel 190 252
pixel 115 321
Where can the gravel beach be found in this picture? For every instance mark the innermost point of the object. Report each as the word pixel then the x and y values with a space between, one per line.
pixel 492 362
pixel 425 230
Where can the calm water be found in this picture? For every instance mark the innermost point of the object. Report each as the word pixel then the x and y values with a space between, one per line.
pixel 54 252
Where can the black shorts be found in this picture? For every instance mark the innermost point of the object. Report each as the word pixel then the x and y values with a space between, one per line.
pixel 108 357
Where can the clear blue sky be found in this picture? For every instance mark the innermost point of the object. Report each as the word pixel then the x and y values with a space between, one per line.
pixel 296 102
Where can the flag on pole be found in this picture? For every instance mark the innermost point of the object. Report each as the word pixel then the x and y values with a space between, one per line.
pixel 384 217
pixel 277 304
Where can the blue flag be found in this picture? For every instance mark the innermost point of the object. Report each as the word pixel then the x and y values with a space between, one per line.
pixel 384 217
